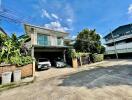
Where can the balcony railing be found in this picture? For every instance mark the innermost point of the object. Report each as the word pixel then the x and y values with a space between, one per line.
pixel 120 38
pixel 121 48
pixel 44 43
pixel 50 43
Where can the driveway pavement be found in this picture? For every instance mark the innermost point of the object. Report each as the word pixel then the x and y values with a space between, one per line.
pixel 110 80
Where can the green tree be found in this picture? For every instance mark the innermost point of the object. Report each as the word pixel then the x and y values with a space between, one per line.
pixel 10 47
pixel 23 39
pixel 88 41
pixel 3 37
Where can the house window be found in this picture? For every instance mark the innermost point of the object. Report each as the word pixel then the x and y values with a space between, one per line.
pixel 42 39
pixel 59 41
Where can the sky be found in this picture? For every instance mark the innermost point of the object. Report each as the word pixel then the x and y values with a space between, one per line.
pixel 67 15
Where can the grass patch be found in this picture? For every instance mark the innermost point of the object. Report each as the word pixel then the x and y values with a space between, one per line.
pixel 15 84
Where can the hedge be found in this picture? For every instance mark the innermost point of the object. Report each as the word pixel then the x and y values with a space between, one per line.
pixel 21 61
pixel 97 57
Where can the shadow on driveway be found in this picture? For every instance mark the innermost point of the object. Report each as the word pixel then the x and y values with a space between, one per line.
pixel 100 77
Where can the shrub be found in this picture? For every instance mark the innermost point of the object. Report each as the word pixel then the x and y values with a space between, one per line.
pixel 21 60
pixel 16 61
pixel 97 57
pixel 71 53
pixel 26 60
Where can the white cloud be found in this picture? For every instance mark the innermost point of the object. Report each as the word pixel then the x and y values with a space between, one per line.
pixel 48 15
pixel 101 36
pixel 69 20
pixel 65 14
pixel 130 10
pixel 74 36
pixel 54 16
pixel 45 14
pixel 69 12
pixel 56 26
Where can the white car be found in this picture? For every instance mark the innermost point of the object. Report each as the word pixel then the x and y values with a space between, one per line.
pixel 59 63
pixel 43 63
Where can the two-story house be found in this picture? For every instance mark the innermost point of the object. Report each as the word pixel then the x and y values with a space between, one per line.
pixel 46 43
pixel 119 41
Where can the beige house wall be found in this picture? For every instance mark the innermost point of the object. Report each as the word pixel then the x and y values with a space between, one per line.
pixel 34 38
pixel 52 39
pixel 52 35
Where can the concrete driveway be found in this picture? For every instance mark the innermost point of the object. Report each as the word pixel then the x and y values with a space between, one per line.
pixel 110 80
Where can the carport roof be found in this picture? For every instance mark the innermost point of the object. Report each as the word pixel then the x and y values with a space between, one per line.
pixel 49 48
pixel 40 46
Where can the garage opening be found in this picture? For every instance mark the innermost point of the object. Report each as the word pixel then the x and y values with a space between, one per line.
pixel 50 53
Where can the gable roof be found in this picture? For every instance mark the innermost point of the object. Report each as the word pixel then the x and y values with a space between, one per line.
pixel 35 26
pixel 118 28
pixel 2 30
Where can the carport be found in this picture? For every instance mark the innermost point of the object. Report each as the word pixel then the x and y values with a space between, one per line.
pixel 50 52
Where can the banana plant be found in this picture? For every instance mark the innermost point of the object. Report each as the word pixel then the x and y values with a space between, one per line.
pixel 10 47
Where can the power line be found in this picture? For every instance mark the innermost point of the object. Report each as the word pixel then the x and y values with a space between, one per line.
pixel 11 15
pixel 14 13
pixel 9 18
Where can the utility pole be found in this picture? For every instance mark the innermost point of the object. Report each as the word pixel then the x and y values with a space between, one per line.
pixel 114 44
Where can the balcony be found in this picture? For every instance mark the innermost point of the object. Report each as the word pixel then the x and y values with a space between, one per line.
pixel 50 43
pixel 121 48
pixel 120 38
pixel 59 42
pixel 44 43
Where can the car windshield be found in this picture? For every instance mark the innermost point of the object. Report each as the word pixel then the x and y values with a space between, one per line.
pixel 43 59
pixel 59 59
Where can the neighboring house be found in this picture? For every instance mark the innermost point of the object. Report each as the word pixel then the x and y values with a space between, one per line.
pixel 119 40
pixel 2 31
pixel 46 43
